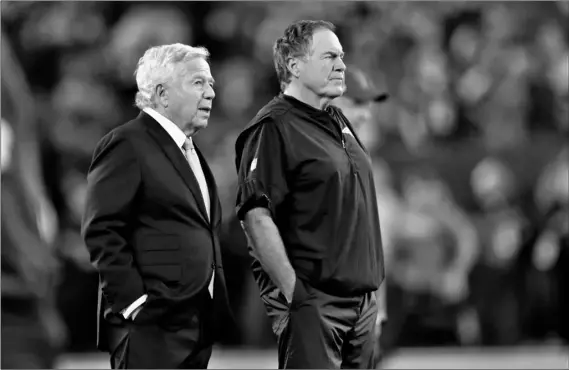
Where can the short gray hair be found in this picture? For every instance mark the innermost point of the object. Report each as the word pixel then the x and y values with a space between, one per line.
pixel 295 42
pixel 157 67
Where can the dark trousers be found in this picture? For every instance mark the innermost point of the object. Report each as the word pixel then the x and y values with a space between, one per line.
pixel 322 331
pixel 127 356
pixel 159 346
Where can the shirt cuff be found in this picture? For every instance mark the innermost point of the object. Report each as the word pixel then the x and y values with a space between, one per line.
pixel 130 309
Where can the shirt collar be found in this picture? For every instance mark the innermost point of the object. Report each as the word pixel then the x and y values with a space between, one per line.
pixel 171 128
pixel 323 116
pixel 306 107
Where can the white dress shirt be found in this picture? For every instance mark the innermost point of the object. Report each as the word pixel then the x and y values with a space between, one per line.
pixel 179 138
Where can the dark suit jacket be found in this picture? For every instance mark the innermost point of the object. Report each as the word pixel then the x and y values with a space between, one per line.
pixel 146 228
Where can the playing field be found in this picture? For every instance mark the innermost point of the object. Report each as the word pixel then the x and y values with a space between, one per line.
pixel 511 358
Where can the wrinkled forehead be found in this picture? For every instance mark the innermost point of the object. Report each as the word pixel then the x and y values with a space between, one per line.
pixel 324 40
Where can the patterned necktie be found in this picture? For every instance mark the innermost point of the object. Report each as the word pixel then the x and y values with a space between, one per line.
pixel 194 161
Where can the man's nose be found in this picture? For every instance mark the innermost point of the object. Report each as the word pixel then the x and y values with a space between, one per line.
pixel 340 66
pixel 209 92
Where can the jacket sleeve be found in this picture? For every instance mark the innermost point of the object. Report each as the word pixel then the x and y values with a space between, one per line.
pixel 113 182
pixel 261 168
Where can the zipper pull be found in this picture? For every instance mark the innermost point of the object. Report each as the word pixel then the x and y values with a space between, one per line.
pixel 213 265
pixel 343 143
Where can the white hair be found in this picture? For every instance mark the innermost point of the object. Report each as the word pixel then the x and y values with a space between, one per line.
pixel 157 67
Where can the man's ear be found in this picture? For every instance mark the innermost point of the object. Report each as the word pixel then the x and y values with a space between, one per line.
pixel 162 95
pixel 294 66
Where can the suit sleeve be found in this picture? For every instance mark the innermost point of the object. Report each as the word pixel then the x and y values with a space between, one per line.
pixel 113 182
pixel 261 168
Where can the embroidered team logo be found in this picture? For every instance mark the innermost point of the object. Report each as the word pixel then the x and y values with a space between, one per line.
pixel 346 130
pixel 253 165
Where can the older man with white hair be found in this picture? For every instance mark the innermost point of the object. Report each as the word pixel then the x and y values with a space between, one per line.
pixel 152 220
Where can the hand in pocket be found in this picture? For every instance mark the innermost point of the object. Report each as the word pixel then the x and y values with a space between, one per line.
pixel 299 295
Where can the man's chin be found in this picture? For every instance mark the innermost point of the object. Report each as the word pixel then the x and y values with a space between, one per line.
pixel 196 126
pixel 334 92
pixel 200 126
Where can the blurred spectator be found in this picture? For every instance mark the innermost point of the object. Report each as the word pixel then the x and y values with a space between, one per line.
pixel 548 255
pixel 429 198
pixel 31 327
pixel 357 103
pixel 434 249
pixel 497 291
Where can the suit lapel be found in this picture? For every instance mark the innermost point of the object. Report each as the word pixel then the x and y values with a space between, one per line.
pixel 212 188
pixel 169 147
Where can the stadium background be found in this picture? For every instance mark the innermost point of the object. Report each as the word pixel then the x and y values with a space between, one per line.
pixel 470 154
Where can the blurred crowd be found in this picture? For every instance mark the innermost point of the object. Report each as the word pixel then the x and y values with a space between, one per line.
pixel 470 151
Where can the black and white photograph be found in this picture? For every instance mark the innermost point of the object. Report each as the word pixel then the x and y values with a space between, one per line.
pixel 284 184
